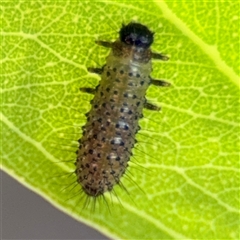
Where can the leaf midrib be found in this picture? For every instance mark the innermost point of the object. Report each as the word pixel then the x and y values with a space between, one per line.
pixel 210 50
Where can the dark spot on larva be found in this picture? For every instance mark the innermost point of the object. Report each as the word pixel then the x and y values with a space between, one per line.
pixel 117 141
pixel 103 129
pixel 121 72
pixel 104 105
pixel 99 120
pixel 130 74
pixel 114 148
pixel 101 93
pixel 114 69
pixel 108 74
pixel 89 138
pixel 117 80
pixel 138 75
pixel 90 151
pixel 115 92
pixel 108 89
pixel 142 83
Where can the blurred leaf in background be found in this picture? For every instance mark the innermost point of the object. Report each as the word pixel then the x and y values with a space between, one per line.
pixel 188 153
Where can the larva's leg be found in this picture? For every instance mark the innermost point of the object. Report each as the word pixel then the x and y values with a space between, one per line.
pixel 95 70
pixel 88 90
pixel 161 83
pixel 159 56
pixel 104 44
pixel 150 106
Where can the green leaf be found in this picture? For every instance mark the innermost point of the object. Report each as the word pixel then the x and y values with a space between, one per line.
pixel 187 157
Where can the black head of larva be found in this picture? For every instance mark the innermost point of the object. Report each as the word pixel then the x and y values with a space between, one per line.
pixel 136 34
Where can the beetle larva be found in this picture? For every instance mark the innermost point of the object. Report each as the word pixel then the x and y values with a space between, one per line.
pixel 109 134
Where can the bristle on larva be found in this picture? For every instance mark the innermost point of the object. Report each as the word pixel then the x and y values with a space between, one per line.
pixel 108 137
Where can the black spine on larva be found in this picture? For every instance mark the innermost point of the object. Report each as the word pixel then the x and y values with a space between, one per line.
pixel 105 147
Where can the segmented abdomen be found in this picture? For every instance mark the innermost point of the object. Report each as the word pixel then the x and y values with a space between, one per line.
pixel 109 134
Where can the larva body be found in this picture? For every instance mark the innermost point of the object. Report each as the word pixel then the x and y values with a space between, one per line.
pixel 109 135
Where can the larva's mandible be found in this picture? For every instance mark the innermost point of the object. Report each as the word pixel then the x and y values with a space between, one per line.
pixel 109 134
